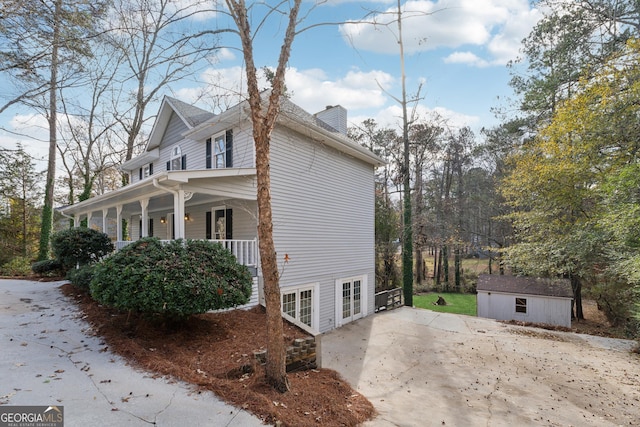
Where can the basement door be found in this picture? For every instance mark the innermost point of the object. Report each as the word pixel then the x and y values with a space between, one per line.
pixel 350 299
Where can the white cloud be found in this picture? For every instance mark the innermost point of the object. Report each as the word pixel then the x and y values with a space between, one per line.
pixel 465 58
pixel 497 26
pixel 311 89
pixel 391 117
pixel 357 90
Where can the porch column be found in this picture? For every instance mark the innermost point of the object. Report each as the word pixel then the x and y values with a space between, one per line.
pixel 89 215
pixel 178 214
pixel 119 236
pixel 144 204
pixel 104 220
pixel 76 220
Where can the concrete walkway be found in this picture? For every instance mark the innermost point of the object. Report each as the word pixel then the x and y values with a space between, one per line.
pixel 423 368
pixel 49 356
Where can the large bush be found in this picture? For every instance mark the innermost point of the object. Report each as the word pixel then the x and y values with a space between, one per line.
pixel 81 277
pixel 19 266
pixel 177 279
pixel 47 267
pixel 80 246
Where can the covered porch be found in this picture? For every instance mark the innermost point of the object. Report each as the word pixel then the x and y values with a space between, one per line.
pixel 218 204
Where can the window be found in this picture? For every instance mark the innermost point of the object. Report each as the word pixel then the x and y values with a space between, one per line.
pixel 177 161
pixel 521 305
pixel 299 306
pixel 218 151
pixel 146 171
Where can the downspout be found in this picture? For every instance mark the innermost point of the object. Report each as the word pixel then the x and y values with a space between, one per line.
pixel 67 216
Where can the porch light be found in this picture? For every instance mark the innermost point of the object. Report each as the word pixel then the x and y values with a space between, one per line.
pixel 163 220
pixel 187 217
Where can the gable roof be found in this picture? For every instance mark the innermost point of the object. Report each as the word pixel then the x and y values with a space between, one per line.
pixel 190 114
pixel 525 285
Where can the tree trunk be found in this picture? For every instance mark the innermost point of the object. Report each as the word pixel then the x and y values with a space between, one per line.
pixel 445 266
pixel 437 271
pixel 276 372
pixel 263 123
pixel 407 232
pixel 458 263
pixel 576 287
pixel 419 266
pixel 47 209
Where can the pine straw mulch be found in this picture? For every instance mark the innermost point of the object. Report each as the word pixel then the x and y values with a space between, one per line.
pixel 215 351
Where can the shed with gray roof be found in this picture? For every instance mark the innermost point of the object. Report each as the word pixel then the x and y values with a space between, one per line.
pixel 526 299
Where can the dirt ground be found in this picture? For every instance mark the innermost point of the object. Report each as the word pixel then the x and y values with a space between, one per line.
pixel 216 352
pixel 456 370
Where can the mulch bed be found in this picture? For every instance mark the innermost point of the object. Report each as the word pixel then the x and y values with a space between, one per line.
pixel 215 351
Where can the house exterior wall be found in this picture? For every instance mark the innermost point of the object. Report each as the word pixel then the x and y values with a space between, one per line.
pixel 244 221
pixel 323 210
pixel 540 309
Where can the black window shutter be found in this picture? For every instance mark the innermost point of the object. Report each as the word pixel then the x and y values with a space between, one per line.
pixel 229 224
pixel 169 165
pixel 150 168
pixel 140 173
pixel 150 227
pixel 184 162
pixel 208 225
pixel 140 231
pixel 208 153
pixel 229 146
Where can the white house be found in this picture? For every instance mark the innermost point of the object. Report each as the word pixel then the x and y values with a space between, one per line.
pixel 525 299
pixel 196 179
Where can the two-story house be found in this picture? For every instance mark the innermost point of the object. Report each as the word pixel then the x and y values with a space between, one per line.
pixel 196 179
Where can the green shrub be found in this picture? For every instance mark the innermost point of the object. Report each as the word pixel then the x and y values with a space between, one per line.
pixel 19 266
pixel 79 246
pixel 48 267
pixel 81 277
pixel 177 279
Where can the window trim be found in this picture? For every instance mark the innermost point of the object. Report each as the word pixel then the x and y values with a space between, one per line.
pixel 175 160
pixel 215 153
pixel 521 305
pixel 315 305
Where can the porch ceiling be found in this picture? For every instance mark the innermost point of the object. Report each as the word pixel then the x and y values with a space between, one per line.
pixel 210 183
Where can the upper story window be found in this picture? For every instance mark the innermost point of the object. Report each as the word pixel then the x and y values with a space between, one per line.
pixel 177 161
pixel 219 150
pixel 146 171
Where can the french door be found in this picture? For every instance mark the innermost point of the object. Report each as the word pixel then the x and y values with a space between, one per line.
pixel 351 300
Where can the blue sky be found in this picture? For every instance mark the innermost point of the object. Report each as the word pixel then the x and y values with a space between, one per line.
pixel 456 49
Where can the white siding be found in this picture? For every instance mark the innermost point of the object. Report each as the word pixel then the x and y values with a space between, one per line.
pixel 323 210
pixel 540 309
pixel 243 147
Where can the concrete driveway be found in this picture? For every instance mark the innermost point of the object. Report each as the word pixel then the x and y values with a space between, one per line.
pixel 49 356
pixel 422 368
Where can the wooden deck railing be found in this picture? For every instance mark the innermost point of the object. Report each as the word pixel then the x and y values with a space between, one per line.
pixel 387 300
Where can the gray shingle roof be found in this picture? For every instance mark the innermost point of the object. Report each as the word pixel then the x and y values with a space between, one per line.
pixel 192 114
pixel 525 285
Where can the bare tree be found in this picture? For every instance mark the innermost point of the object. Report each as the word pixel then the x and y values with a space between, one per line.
pixel 263 118
pixel 40 40
pixel 162 44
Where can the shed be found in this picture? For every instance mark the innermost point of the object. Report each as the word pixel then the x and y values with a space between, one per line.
pixel 526 299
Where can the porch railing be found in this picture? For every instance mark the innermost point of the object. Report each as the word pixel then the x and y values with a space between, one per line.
pixel 245 251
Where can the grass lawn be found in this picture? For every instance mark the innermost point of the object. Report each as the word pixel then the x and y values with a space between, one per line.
pixel 456 303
